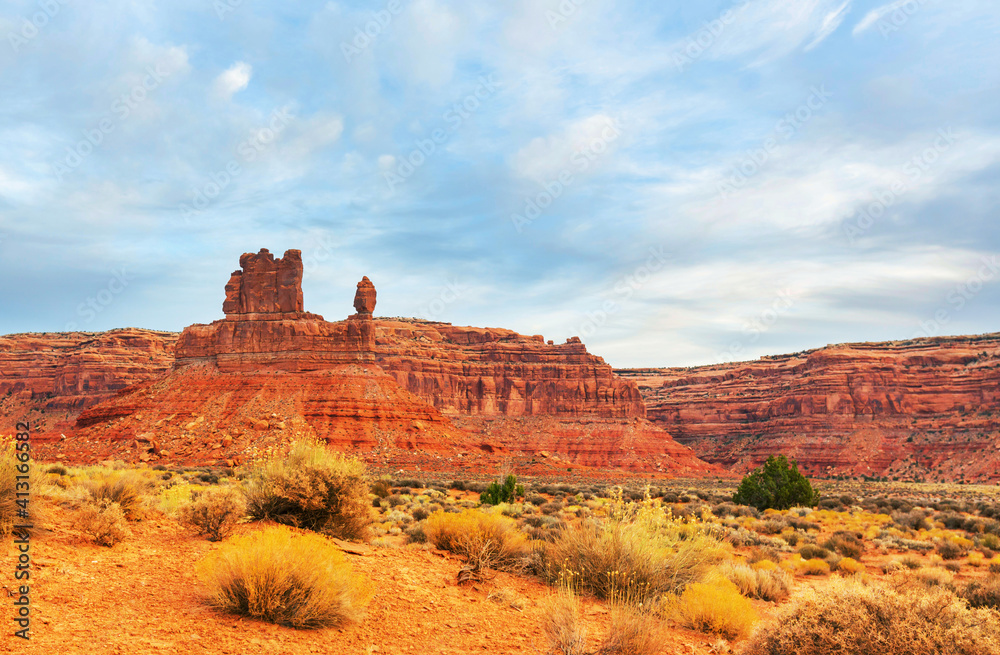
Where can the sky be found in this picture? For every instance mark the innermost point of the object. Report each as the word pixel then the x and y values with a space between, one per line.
pixel 676 183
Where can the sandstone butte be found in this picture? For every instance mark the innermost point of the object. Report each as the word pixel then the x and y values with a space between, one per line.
pixel 921 409
pixel 399 392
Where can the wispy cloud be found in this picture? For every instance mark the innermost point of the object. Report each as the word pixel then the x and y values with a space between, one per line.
pixel 767 30
pixel 830 24
pixel 873 16
pixel 232 80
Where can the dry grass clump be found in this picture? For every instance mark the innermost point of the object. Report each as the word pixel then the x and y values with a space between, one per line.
pixel 300 581
pixel 631 632
pixel 850 566
pixel 104 520
pixel 814 566
pixel 715 607
pixel 982 593
pixel 850 617
pixel 8 484
pixel 214 513
pixel 127 489
pixel 845 543
pixel 638 553
pixel 561 624
pixel 487 540
pixel 10 504
pixel 772 584
pixel 312 488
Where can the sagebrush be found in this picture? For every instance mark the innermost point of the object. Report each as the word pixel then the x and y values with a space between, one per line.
pixel 488 541
pixel 637 553
pixel 849 616
pixel 214 513
pixel 295 580
pixel 312 488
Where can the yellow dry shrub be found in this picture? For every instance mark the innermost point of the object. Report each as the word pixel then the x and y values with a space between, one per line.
pixel 976 559
pixel 765 565
pixel 487 540
pixel 847 616
pixel 814 566
pixel 637 553
pixel 15 510
pixel 850 566
pixel 295 580
pixel 561 624
pixel 715 607
pixel 313 488
pixel 772 585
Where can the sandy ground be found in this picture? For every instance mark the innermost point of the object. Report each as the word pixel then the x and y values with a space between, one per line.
pixel 142 596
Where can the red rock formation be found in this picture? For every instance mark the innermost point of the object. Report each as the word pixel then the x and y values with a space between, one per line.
pixel 199 414
pixel 268 362
pixel 364 299
pixel 495 372
pixel 49 378
pixel 304 344
pixel 928 408
pixel 266 284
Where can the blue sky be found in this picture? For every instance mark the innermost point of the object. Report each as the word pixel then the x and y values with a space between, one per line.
pixel 676 183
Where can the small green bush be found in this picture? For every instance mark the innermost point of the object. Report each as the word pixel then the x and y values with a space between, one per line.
pixel 776 485
pixel 506 493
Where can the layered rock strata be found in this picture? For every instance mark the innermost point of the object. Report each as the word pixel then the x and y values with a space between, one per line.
pixel 921 409
pixel 49 378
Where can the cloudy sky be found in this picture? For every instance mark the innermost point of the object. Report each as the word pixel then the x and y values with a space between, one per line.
pixel 678 183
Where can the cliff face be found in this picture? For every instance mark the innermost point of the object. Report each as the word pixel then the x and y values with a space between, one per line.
pixel 928 408
pixel 491 372
pixel 50 378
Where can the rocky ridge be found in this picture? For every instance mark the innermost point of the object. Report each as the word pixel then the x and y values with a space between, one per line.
pixel 920 409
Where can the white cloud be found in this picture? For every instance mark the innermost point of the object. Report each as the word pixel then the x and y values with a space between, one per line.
pixel 545 157
pixel 432 37
pixel 874 15
pixel 830 24
pixel 771 29
pixel 233 79
pixel 821 183
pixel 386 162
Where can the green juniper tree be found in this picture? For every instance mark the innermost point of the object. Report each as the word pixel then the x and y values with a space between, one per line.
pixel 776 485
